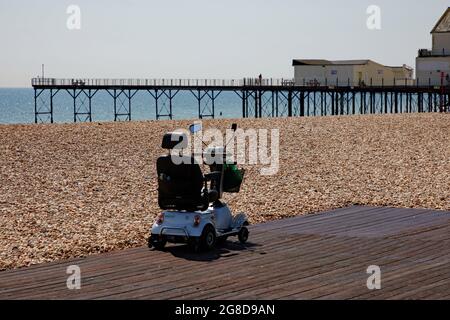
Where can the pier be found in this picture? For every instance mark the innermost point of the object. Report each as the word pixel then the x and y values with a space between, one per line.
pixel 260 98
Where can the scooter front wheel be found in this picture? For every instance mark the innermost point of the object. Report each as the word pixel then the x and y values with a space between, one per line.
pixel 243 235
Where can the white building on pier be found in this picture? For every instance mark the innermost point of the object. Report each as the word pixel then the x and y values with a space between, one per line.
pixel 349 72
pixel 433 66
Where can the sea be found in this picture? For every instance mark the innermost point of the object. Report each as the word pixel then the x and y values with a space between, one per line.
pixel 17 106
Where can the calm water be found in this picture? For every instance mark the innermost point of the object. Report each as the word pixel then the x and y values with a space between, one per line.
pixel 17 106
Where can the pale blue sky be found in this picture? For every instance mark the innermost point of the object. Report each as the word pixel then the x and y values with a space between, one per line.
pixel 203 38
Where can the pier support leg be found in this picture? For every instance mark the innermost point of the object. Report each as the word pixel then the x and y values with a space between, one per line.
pixel 156 95
pixel 385 102
pixel 371 106
pixel 260 107
pixel 362 103
pixel 282 103
pixel 289 103
pixel 244 115
pixel 396 102
pixel 401 103
pixel 208 97
pixel 90 96
pixel 35 106
pixel 250 103
pixel 257 104
pixel 430 102
pixel 170 96
pixel 213 95
pixel 129 94
pixel 82 112
pixel 308 103
pixel 315 104
pixel 436 103
pixel 273 104
pixel 322 104
pixel 266 103
pixel 74 96
pixel 43 105
pixel 115 104
pixel 347 103
pixel 51 105
pixel 419 103
pixel 123 108
pixel 332 103
pixel 302 104
pixel 277 102
pixel 163 102
pixel 242 96
pixel 353 103
pixel 247 107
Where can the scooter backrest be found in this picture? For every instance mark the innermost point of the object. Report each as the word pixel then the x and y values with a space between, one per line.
pixel 174 140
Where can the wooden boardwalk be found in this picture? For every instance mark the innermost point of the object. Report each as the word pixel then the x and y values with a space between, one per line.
pixel 322 256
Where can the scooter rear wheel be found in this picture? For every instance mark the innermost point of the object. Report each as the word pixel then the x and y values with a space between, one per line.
pixel 208 238
pixel 158 244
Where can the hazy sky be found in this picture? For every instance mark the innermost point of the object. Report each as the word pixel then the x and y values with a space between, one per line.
pixel 203 38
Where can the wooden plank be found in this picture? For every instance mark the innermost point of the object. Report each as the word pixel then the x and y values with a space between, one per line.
pixel 381 220
pixel 212 269
pixel 394 281
pixel 317 219
pixel 350 266
pixel 147 264
pixel 314 257
pixel 334 255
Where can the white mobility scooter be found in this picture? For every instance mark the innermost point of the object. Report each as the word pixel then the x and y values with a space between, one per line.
pixel 193 212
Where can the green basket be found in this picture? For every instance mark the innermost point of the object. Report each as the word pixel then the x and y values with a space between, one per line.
pixel 232 178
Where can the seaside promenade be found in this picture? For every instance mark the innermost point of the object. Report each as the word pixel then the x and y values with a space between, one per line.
pixel 329 255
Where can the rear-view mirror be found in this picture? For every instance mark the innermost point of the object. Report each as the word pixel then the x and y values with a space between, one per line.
pixel 196 127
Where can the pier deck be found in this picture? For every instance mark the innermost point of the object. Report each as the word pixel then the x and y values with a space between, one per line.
pixel 322 256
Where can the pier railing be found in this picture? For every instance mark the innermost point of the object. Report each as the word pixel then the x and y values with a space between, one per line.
pixel 233 83
pixel 161 82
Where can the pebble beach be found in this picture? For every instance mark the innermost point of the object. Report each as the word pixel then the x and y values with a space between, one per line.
pixel 70 190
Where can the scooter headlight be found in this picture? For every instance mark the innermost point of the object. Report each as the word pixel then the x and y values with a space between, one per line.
pixel 197 220
pixel 160 218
